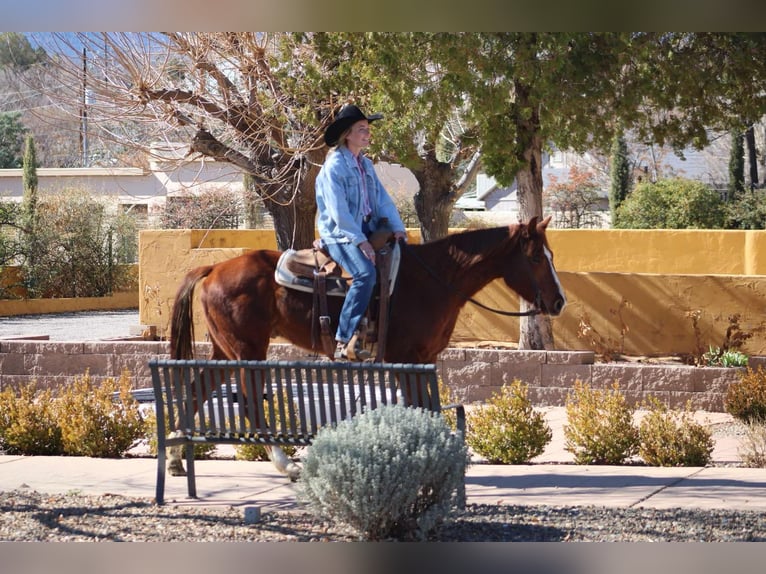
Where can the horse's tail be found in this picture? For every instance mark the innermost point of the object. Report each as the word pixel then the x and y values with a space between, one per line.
pixel 182 321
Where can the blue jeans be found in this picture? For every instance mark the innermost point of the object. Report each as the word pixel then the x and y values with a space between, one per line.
pixel 362 271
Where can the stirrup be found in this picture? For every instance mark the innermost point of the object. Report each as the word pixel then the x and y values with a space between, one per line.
pixel 351 351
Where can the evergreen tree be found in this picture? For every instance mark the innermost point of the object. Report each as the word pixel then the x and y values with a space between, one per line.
pixel 11 136
pixel 620 176
pixel 30 243
pixel 29 181
pixel 737 166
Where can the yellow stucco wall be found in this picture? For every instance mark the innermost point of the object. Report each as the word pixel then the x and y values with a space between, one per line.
pixel 687 251
pixel 662 277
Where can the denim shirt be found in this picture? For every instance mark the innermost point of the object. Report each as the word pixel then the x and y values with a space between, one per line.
pixel 339 199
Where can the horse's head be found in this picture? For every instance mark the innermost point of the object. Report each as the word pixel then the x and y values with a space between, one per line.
pixel 541 285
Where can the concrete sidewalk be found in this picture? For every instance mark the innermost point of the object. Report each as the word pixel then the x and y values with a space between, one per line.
pixel 551 480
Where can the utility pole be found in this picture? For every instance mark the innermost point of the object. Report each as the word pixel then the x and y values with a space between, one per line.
pixel 84 112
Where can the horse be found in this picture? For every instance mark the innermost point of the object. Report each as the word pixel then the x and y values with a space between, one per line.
pixel 245 307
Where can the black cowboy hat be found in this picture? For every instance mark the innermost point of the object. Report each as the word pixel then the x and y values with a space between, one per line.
pixel 347 117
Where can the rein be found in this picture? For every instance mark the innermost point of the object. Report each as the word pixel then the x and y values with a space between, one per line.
pixel 531 312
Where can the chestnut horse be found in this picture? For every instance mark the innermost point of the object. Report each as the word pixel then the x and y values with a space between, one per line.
pixel 244 306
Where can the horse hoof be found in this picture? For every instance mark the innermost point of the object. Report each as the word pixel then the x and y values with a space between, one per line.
pixel 176 470
pixel 293 472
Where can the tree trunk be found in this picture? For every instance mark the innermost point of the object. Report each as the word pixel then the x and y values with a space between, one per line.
pixel 752 158
pixel 294 216
pixel 535 332
pixel 435 199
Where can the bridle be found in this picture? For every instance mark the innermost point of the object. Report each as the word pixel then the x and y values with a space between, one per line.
pixel 538 294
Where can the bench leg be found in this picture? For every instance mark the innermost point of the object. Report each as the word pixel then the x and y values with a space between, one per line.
pixel 159 495
pixel 191 482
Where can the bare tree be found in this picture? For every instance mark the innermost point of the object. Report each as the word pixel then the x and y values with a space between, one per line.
pixel 220 93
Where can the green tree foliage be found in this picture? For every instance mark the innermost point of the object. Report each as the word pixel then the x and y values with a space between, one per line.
pixel 747 211
pixel 672 204
pixel 620 175
pixel 17 53
pixel 11 139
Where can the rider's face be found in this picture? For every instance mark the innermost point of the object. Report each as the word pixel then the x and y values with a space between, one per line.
pixel 359 136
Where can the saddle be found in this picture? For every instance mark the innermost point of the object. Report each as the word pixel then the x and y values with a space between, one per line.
pixel 312 270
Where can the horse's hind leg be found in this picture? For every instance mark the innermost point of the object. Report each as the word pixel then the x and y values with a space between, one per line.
pixel 175 457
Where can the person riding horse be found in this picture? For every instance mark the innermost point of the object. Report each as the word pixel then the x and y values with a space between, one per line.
pixel 351 203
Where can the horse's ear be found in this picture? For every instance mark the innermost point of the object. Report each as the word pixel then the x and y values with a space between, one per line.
pixel 544 223
pixel 532 223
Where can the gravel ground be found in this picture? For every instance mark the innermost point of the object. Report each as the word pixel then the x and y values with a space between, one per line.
pixel 31 516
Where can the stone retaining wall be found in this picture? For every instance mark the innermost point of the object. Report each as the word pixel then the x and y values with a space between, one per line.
pixel 473 374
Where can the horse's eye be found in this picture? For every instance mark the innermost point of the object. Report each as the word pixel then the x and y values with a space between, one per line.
pixel 536 258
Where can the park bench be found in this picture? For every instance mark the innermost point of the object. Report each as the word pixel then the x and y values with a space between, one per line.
pixel 298 398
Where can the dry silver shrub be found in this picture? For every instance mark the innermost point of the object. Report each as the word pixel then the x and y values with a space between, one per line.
pixel 389 473
pixel 753 449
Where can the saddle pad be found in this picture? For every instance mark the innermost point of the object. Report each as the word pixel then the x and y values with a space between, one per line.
pixel 336 286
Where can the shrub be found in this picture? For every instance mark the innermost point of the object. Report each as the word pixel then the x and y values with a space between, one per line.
pixel 390 472
pixel 672 437
pixel 93 423
pixel 753 447
pixel 202 450
pixel 78 246
pixel 599 427
pixel 447 397
pixel 746 400
pixel 252 451
pixel 507 430
pixel 29 422
pixel 717 357
pixel 671 204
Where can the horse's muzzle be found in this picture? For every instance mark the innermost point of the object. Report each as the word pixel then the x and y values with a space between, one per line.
pixel 558 306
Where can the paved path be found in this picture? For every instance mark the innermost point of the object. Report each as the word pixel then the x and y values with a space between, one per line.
pixel 80 326
pixel 551 480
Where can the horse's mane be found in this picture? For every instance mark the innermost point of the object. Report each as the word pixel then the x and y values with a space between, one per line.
pixel 468 247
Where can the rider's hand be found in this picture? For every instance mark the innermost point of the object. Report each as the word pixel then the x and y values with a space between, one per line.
pixel 367 250
pixel 400 236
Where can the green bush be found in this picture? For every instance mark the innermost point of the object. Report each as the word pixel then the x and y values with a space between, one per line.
pixel 717 357
pixel 29 423
pixel 746 400
pixel 93 423
pixel 391 472
pixel 202 450
pixel 507 430
pixel 599 427
pixel 672 437
pixel 672 204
